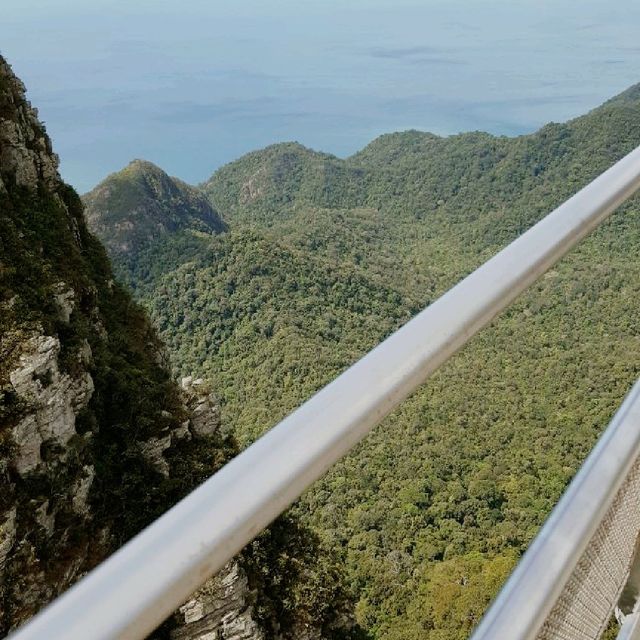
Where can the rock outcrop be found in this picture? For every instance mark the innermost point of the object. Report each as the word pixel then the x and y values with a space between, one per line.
pixel 46 381
pixel 88 409
pixel 220 610
pixel 54 399
pixel 26 155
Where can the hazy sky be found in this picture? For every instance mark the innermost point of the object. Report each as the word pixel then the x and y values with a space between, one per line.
pixel 192 84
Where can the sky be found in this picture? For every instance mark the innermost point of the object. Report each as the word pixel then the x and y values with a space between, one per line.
pixel 194 84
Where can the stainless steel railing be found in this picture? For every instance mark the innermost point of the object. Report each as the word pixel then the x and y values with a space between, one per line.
pixel 141 584
pixel 570 579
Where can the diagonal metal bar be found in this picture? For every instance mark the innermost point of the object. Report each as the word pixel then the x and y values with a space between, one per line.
pixel 526 601
pixel 133 591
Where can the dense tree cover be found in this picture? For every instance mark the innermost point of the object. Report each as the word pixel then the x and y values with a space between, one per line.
pixel 44 242
pixel 265 299
pixel 325 257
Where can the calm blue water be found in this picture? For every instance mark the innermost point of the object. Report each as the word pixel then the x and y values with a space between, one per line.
pixel 192 84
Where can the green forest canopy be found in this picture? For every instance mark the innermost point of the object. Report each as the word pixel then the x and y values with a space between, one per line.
pixel 325 257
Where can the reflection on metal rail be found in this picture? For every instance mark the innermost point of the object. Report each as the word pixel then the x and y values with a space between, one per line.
pixel 631 627
pixel 141 584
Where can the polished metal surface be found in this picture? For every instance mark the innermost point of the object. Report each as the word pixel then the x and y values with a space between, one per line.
pixel 134 590
pixel 631 628
pixel 525 602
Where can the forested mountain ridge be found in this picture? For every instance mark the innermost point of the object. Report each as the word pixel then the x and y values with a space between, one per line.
pixel 324 257
pixel 96 438
pixel 262 184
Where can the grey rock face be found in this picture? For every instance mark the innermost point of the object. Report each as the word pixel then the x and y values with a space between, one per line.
pixel 25 150
pixel 152 451
pixel 204 420
pixel 7 535
pixel 55 398
pixel 41 447
pixel 202 405
pixel 220 610
pixel 80 491
pixel 64 299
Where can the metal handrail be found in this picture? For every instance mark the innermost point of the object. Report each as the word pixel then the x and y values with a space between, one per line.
pixel 523 605
pixel 129 594
pixel 630 628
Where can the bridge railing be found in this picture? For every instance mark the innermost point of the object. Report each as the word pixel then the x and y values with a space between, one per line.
pixel 569 581
pixel 129 594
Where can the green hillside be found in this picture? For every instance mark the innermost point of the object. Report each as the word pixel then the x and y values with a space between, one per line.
pixel 139 204
pixel 324 257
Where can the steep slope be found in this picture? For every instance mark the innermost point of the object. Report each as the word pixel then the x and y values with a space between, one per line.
pixel 83 386
pixel 96 439
pixel 140 203
pixel 432 511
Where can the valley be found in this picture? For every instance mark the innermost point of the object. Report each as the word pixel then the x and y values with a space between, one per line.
pixel 304 261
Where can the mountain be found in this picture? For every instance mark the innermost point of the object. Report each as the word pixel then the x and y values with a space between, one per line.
pixel 96 437
pixel 324 257
pixel 262 184
pixel 141 203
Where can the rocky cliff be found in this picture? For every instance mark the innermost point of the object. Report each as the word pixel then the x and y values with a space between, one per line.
pixel 87 408
pixel 96 439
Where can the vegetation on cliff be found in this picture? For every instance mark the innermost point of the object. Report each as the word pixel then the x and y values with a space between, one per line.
pixel 85 394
